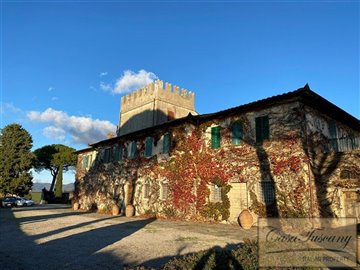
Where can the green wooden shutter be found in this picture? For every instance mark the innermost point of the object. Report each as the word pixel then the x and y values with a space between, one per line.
pixel 262 128
pixel 85 162
pixel 116 153
pixel 215 137
pixel 121 152
pixel 166 143
pixel 133 150
pixel 237 133
pixel 333 135
pixel 89 161
pixel 332 130
pixel 148 146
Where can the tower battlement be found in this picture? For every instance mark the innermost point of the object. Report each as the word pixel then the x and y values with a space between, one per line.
pixel 154 104
pixel 157 91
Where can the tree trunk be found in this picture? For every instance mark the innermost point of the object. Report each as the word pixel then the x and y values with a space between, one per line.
pixel 59 182
pixel 54 179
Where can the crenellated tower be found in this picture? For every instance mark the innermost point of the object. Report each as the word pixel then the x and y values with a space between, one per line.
pixel 152 105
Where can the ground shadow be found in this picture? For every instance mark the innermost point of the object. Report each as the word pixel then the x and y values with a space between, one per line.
pixel 84 250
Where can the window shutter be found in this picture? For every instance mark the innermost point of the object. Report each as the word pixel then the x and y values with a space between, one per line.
pixel 333 135
pixel 266 129
pixel 148 146
pixel 107 155
pixel 332 130
pixel 215 137
pixel 85 162
pixel 237 133
pixel 89 161
pixel 121 152
pixel 116 153
pixel 166 143
pixel 262 128
pixel 133 150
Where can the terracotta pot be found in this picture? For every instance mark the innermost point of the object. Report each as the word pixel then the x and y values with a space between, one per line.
pixel 76 206
pixel 115 210
pixel 246 219
pixel 130 210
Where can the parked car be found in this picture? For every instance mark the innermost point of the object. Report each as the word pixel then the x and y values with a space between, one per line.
pixel 27 202
pixel 24 202
pixel 9 202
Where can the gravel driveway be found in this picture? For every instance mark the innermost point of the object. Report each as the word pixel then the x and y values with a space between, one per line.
pixel 55 237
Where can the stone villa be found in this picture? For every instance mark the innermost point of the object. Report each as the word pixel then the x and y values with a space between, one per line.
pixel 291 155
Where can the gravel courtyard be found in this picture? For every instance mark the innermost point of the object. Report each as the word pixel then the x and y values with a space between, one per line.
pixel 55 237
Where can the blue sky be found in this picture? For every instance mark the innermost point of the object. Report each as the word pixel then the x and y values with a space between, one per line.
pixel 65 65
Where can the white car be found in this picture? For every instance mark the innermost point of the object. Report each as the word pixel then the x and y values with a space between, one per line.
pixel 24 202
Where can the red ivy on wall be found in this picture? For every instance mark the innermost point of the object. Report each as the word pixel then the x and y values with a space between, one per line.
pixel 192 167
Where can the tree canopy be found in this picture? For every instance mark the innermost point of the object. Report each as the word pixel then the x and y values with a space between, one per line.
pixel 52 158
pixel 15 160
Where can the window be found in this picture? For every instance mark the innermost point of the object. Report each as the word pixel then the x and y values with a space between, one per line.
pixel 267 192
pixel 121 152
pixel 215 137
pixel 85 162
pixel 262 128
pixel 164 191
pixel 166 143
pixel 237 133
pixel 146 191
pixel 132 150
pixel 107 155
pixel 215 193
pixel 148 146
pixel 116 153
pixel 333 135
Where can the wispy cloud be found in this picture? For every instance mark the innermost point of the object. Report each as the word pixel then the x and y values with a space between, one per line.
pixel 8 107
pixel 54 98
pixel 50 88
pixel 103 73
pixel 81 129
pixel 129 81
pixel 105 87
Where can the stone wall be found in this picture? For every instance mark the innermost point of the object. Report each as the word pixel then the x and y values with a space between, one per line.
pixel 305 180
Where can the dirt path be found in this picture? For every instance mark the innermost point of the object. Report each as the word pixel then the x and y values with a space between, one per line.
pixel 59 238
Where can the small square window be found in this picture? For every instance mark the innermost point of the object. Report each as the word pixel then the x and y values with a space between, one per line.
pixel 164 191
pixel 215 193
pixel 267 192
pixel 146 191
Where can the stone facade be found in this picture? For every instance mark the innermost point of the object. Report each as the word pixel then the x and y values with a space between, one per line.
pixel 153 105
pixel 282 156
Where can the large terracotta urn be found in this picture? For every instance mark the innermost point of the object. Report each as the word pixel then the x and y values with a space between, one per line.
pixel 76 206
pixel 115 210
pixel 246 219
pixel 130 210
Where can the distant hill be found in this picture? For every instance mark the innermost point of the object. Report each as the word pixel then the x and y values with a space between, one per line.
pixel 37 187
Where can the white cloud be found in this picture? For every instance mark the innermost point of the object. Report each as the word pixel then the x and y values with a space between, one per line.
pixel 50 88
pixel 130 81
pixel 54 133
pixel 103 73
pixel 81 129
